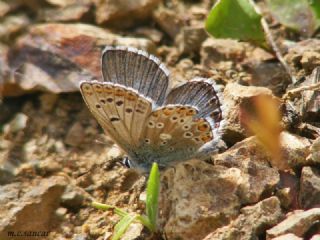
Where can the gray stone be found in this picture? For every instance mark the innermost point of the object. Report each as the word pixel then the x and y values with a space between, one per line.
pixel 252 222
pixel 257 178
pixel 29 208
pixel 297 223
pixel 197 198
pixel 310 187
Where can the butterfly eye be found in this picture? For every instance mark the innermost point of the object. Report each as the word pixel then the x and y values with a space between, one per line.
pixel 147 140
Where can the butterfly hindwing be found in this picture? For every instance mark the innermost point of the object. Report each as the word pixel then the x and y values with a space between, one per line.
pixel 173 134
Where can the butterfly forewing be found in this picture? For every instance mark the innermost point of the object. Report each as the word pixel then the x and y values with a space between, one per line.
pixel 200 93
pixel 136 69
pixel 119 110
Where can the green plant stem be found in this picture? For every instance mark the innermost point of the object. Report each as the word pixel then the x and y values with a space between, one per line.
pixel 105 207
pixel 142 219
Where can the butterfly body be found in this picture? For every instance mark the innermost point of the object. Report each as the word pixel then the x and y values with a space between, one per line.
pixel 149 123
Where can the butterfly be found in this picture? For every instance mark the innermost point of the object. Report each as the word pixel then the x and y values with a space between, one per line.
pixel 148 121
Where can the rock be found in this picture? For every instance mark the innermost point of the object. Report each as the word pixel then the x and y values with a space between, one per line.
pixel 235 97
pixel 56 57
pixel 67 11
pixel 29 206
pixel 310 187
pixel 288 190
pixel 252 222
pixel 18 123
pixel 4 66
pixel 288 236
pixel 314 157
pixel 115 152
pixel 315 237
pixel 258 65
pixel 193 203
pixel 140 43
pixel 123 13
pixel 238 101
pixel 48 101
pixel 168 21
pixel 153 34
pixel 303 57
pixel 133 232
pixel 6 176
pixel 72 199
pixel 12 25
pixel 257 178
pixel 75 135
pixel 269 74
pixel 48 167
pixel 297 223
pixel 183 71
pixel 295 149
pixel 214 51
pixel 61 212
pixel 190 39
pixel 4 8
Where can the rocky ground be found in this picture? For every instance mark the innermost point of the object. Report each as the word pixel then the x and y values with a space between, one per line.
pixel 55 158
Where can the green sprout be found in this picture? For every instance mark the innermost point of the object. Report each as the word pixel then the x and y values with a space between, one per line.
pixel 149 220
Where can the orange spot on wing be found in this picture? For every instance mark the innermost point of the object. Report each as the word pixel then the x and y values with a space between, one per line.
pixel 206 138
pixel 167 111
pixel 119 93
pixel 131 97
pixel 108 90
pixel 203 127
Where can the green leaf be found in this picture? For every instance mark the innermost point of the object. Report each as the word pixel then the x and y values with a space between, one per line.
pixel 236 19
pixel 153 189
pixel 299 15
pixel 315 6
pixel 122 226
